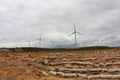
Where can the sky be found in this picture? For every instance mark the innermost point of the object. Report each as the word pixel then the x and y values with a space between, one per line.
pixel 26 20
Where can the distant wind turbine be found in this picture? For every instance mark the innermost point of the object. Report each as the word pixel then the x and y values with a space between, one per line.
pixel 86 43
pixel 29 43
pixel 97 41
pixel 75 33
pixel 39 39
pixel 52 42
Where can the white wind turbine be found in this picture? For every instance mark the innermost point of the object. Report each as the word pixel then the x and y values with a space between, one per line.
pixel 52 43
pixel 39 39
pixel 75 34
pixel 29 43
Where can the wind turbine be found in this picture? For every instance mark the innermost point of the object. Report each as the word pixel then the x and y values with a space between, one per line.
pixel 52 43
pixel 85 43
pixel 39 39
pixel 29 43
pixel 75 33
pixel 97 41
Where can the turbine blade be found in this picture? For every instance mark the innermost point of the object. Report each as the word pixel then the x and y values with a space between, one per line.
pixel 80 33
pixel 35 39
pixel 71 34
pixel 38 39
pixel 74 28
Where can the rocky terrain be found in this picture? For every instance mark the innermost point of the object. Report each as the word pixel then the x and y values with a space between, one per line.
pixel 61 65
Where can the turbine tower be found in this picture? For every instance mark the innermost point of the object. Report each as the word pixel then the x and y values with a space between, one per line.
pixel 97 41
pixel 29 43
pixel 75 33
pixel 52 43
pixel 85 43
pixel 39 39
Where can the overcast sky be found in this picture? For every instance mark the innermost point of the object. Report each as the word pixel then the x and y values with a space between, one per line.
pixel 25 20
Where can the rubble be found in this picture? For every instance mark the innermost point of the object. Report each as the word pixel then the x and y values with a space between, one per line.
pixel 44 73
pixel 103 76
pixel 90 70
pixel 72 62
pixel 68 74
pixel 83 59
pixel 83 65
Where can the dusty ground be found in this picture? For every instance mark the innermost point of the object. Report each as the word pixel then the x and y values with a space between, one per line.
pixel 37 65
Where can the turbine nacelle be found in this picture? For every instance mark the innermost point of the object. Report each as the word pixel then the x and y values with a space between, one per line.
pixel 75 33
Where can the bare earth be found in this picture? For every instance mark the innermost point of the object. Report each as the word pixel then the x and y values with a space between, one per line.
pixel 71 65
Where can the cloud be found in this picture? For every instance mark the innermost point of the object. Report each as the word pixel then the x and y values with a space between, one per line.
pixel 23 20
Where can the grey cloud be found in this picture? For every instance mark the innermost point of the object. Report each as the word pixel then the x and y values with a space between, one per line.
pixel 23 20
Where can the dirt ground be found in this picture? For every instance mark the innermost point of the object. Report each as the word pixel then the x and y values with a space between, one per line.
pixel 41 65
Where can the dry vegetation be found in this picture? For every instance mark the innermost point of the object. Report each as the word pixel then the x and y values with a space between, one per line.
pixel 61 65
